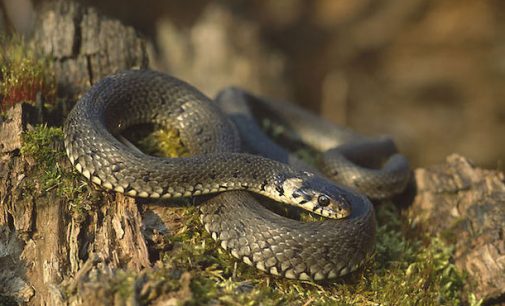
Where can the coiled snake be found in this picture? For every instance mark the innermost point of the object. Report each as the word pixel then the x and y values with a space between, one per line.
pixel 250 232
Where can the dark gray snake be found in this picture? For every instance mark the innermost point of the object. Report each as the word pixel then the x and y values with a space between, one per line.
pixel 250 232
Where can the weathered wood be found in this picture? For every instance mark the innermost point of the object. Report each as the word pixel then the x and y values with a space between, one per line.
pixel 11 126
pixel 48 245
pixel 467 205
pixel 54 253
pixel 85 45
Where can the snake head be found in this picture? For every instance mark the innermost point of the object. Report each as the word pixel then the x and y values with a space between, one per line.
pixel 317 195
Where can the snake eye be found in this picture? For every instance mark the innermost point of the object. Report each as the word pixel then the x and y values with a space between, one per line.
pixel 323 200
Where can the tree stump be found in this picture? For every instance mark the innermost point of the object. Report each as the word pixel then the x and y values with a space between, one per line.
pixel 467 205
pixel 85 46
pixel 46 242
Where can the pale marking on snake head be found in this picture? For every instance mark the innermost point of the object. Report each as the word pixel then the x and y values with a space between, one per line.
pixel 290 185
pixel 294 193
pixel 315 194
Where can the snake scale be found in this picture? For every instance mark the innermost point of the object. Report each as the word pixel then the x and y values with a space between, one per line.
pixel 249 231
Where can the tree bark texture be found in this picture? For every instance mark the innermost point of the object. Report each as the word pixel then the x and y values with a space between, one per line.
pixel 85 45
pixel 467 205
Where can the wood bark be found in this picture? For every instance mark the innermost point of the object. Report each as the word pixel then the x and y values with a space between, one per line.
pixel 85 46
pixel 50 252
pixel 466 204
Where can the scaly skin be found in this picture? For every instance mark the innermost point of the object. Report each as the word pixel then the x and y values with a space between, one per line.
pixel 305 251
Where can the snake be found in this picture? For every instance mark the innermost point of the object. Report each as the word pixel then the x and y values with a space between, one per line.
pixel 232 183
pixel 371 166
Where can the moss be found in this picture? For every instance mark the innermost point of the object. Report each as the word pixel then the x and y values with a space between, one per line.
pixel 410 271
pixel 398 264
pixel 45 146
pixel 163 142
pixel 403 272
pixel 24 74
pixel 408 268
pixel 40 143
pixel 123 285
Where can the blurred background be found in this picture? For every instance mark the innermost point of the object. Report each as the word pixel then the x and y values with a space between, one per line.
pixel 430 73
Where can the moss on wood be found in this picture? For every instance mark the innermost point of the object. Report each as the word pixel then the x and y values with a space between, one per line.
pixel 408 268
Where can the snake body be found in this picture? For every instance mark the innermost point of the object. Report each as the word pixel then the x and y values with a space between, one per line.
pixel 371 166
pixel 257 236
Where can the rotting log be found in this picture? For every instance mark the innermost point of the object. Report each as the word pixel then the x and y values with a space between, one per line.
pixel 85 45
pixel 48 246
pixel 53 253
pixel 466 204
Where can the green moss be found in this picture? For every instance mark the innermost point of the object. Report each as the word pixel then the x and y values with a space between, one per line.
pixel 410 271
pixel 163 142
pixel 25 74
pixel 45 146
pixel 40 143
pixel 408 267
pixel 123 284
pixel 403 272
